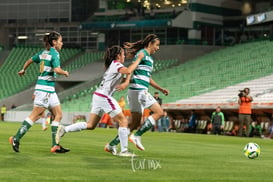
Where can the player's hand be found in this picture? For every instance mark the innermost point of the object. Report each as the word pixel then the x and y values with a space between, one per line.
pixel 66 74
pixel 21 72
pixel 121 87
pixel 165 91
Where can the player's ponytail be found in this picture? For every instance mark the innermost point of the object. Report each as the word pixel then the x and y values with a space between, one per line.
pixel 110 55
pixel 46 43
pixel 133 48
pixel 48 38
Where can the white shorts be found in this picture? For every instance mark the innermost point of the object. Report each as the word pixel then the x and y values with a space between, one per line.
pixel 45 99
pixel 139 100
pixel 104 104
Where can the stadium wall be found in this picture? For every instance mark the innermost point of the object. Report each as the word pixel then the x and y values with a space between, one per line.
pixel 19 116
pixel 184 52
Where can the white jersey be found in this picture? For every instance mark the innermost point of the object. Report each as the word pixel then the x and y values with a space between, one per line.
pixel 111 79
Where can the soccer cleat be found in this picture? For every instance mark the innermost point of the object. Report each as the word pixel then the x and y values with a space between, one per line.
pixel 126 154
pixel 58 149
pixel 60 133
pixel 137 141
pixel 111 149
pixel 15 144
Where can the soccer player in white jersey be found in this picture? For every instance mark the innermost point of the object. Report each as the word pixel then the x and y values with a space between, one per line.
pixel 138 95
pixel 45 95
pixel 103 101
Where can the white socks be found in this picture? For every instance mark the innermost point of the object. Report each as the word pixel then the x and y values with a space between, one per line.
pixel 43 122
pixel 152 120
pixel 55 123
pixel 123 137
pixel 76 127
pixel 29 121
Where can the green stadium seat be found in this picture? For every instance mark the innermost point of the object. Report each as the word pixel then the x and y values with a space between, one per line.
pixel 14 62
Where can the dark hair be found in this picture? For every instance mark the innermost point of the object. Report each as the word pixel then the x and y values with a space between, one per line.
pixel 46 43
pixel 132 48
pixel 48 38
pixel 111 54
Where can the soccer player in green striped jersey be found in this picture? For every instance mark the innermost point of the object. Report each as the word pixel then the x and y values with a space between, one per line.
pixel 45 95
pixel 138 95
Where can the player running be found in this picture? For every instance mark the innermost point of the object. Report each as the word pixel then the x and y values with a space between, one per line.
pixel 138 95
pixel 43 117
pixel 103 101
pixel 45 95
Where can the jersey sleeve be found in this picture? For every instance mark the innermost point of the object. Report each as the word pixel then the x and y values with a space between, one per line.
pixel 118 65
pixel 223 118
pixel 36 58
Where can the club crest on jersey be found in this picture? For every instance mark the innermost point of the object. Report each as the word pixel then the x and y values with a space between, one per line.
pixel 148 58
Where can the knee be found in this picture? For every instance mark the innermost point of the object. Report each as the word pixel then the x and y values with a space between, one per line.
pixel 91 126
pixel 161 113
pixel 123 123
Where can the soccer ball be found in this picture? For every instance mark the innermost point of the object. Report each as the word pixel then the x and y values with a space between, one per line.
pixel 252 150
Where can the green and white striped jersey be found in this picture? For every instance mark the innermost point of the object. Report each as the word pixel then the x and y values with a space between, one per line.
pixel 140 79
pixel 48 60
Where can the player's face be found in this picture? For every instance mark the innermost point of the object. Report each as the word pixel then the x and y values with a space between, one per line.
pixel 121 56
pixel 154 46
pixel 58 44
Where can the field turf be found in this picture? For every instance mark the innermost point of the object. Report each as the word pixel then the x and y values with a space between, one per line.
pixel 168 157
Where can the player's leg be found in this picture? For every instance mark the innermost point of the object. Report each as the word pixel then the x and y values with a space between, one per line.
pixel 56 111
pixel 90 125
pixel 136 120
pixel 123 132
pixel 147 101
pixel 94 118
pixel 115 112
pixel 136 107
pixel 26 125
pixel 150 121
pixel 43 120
pixel 136 114
pixel 57 115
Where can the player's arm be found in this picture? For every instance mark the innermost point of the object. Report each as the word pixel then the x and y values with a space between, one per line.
pixel 57 67
pixel 156 86
pixel 60 71
pixel 132 67
pixel 26 65
pixel 124 84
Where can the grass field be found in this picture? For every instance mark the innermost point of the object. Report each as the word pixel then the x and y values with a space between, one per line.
pixel 168 157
